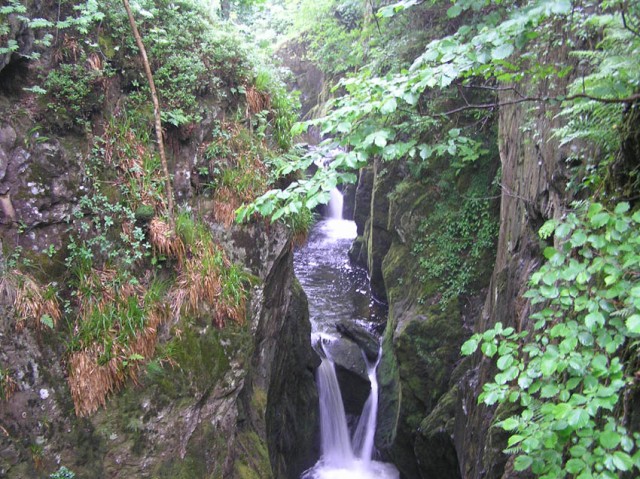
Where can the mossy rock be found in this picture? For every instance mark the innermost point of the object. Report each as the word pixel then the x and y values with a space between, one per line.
pixel 144 213
pixel 253 457
pixel 434 440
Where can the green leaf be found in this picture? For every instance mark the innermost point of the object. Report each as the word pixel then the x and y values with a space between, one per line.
pixel 509 424
pixel 609 439
pixel 501 52
pixel 470 346
pixel 622 461
pixel 548 365
pixel 522 462
pixel 547 229
pixel 549 391
pixel 578 238
pixel 489 349
pixel 505 362
pixel 621 208
pixel 600 219
pixel 594 319
pixel 633 323
pixel 574 466
pixel 594 209
pixel 578 418
pixel 389 106
pixel 454 11
pixel 47 321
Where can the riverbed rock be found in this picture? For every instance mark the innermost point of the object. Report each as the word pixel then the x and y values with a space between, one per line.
pixel 351 371
pixel 367 342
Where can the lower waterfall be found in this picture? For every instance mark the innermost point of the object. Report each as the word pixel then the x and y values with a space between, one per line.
pixel 337 291
pixel 342 456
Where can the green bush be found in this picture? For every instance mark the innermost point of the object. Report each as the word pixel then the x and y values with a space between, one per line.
pixel 568 375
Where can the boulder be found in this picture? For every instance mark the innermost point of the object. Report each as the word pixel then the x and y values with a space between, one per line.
pixel 351 371
pixel 367 342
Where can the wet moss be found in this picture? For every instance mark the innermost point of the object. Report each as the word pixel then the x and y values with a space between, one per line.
pixel 253 457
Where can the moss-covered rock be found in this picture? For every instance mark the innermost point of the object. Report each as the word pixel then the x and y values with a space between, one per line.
pixel 434 447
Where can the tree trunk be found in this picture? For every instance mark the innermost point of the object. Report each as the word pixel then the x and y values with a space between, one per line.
pixel 156 112
pixel 225 9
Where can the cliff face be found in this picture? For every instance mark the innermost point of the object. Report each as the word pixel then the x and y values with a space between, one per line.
pixel 217 412
pixel 205 400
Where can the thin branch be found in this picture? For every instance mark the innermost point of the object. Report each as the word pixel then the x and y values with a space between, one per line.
pixel 156 112
pixel 490 106
pixel 626 26
pixel 495 88
pixel 375 17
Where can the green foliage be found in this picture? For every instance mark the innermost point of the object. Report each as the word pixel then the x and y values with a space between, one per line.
pixel 428 111
pixel 456 240
pixel 568 375
pixel 72 94
pixel 17 9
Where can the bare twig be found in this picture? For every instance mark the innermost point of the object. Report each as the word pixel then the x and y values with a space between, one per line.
pixel 489 106
pixel 156 111
pixel 626 25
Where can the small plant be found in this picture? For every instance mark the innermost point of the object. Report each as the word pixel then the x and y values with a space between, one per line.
pixel 62 473
pixel 455 241
pixel 72 93
pixel 33 304
pixel 208 280
pixel 7 384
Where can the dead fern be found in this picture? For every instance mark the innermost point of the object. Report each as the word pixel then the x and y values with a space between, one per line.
pixel 32 303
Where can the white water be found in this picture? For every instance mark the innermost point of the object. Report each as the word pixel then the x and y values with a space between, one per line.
pixel 366 430
pixel 334 207
pixel 342 457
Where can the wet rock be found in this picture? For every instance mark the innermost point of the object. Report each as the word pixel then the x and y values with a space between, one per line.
pixel 362 202
pixel 359 335
pixel 351 371
pixel 291 414
pixel 4 162
pixel 434 447
pixel 7 137
pixel 358 252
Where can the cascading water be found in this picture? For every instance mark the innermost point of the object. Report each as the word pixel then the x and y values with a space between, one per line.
pixel 366 430
pixel 336 291
pixel 335 204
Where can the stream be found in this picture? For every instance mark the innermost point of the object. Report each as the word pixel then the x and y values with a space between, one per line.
pixel 337 290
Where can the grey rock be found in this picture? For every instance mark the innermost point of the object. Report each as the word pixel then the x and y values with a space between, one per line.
pixel 4 162
pixel 7 137
pixel 359 335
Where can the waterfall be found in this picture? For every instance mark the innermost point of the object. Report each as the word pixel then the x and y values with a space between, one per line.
pixel 336 445
pixel 342 458
pixel 366 430
pixel 334 207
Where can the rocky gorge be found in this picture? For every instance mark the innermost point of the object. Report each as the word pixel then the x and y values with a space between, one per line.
pixel 133 348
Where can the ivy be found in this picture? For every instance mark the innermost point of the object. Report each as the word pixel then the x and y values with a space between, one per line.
pixel 568 374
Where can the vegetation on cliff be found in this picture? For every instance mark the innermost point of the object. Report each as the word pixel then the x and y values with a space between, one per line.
pixel 122 289
pixel 416 88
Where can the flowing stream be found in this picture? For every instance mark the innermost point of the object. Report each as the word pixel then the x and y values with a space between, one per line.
pixel 336 290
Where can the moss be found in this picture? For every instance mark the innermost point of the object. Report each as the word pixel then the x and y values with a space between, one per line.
pixel 144 213
pixel 253 457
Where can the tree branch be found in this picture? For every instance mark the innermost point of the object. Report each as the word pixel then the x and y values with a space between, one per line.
pixel 156 112
pixel 560 99
pixel 626 26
